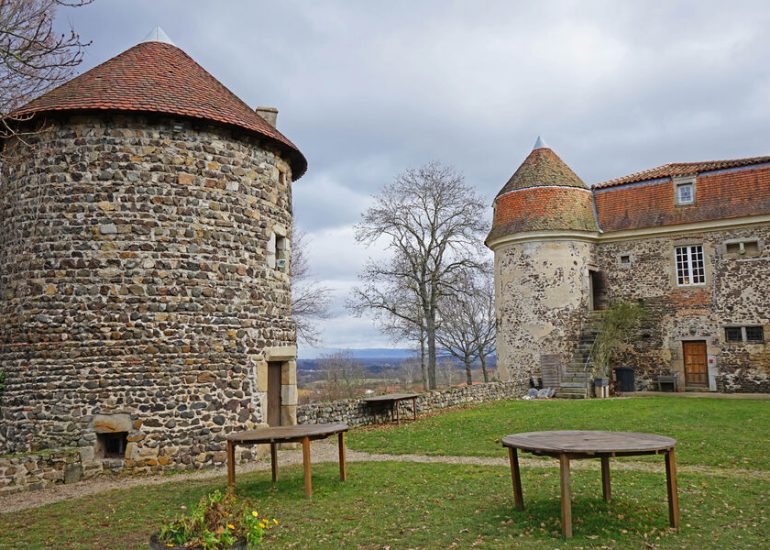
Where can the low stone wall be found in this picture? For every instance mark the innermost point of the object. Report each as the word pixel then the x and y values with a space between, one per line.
pixel 35 471
pixel 355 412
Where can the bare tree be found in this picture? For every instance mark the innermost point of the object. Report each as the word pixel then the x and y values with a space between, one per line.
pixel 467 329
pixel 395 310
pixel 432 221
pixel 483 321
pixel 455 335
pixel 309 299
pixel 33 57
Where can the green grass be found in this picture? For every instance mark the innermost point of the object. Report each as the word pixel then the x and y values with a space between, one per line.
pixel 725 433
pixel 411 505
pixel 424 506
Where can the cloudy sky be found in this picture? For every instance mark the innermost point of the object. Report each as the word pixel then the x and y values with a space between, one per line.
pixel 369 88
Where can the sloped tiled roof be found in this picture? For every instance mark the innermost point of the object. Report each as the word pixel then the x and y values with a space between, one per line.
pixel 158 77
pixel 674 169
pixel 542 167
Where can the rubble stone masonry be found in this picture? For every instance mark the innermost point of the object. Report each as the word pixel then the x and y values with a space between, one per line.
pixel 137 292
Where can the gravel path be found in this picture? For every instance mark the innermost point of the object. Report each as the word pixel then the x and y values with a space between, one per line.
pixel 326 452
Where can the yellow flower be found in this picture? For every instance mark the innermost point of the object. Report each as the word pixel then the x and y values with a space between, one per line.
pixel 230 526
pixel 275 521
pixel 254 513
pixel 169 545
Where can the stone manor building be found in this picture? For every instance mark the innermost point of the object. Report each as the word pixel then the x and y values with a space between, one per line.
pixel 690 241
pixel 144 276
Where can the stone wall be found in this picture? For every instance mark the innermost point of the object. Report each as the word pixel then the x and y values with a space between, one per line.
pixel 541 296
pixel 355 412
pixel 139 292
pixel 735 294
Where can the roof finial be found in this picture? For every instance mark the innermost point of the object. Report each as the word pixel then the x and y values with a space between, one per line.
pixel 158 35
pixel 540 144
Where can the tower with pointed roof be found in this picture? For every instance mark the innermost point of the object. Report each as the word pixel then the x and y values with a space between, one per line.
pixel 541 238
pixel 145 225
pixel 687 240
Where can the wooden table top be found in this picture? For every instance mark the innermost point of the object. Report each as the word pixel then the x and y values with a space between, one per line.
pixel 588 442
pixel 287 433
pixel 391 397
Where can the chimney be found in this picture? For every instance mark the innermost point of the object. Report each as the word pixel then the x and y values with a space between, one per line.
pixel 270 114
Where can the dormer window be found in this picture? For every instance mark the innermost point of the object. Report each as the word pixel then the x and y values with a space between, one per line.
pixel 685 191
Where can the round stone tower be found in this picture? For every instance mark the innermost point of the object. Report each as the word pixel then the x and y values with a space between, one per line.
pixel 144 277
pixel 541 236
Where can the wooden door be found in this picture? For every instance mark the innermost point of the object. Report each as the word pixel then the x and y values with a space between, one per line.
pixel 695 364
pixel 274 394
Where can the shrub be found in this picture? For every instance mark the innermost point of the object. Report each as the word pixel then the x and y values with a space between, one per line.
pixel 217 522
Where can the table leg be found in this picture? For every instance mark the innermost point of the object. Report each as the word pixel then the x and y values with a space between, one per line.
pixel 341 445
pixel 231 466
pixel 673 497
pixel 306 467
pixel 566 503
pixel 518 496
pixel 606 489
pixel 274 461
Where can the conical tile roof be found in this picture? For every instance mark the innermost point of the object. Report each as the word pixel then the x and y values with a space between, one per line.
pixel 157 77
pixel 542 167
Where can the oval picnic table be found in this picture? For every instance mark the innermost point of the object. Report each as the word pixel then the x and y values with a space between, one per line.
pixel 574 445
pixel 304 433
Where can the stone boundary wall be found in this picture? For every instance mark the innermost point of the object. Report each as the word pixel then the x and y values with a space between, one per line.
pixel 355 412
pixel 35 471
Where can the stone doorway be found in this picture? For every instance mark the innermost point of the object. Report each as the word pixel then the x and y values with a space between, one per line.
pixel 598 290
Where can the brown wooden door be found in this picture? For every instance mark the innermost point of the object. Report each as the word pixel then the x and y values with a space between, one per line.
pixel 274 394
pixel 695 363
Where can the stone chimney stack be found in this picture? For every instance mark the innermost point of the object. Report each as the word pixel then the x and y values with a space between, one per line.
pixel 270 114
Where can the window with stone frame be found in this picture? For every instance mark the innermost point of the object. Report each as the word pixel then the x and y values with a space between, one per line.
pixel 690 265
pixel 755 334
pixel 685 191
pixel 747 248
pixel 750 334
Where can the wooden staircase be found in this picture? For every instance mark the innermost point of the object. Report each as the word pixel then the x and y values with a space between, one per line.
pixel 576 375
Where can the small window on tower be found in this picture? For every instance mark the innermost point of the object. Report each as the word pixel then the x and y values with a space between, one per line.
pixel 625 259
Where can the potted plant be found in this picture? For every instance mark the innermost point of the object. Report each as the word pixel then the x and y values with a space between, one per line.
pixel 620 324
pixel 217 522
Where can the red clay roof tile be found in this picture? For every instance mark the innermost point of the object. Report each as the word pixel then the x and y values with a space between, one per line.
pixel 158 77
pixel 681 169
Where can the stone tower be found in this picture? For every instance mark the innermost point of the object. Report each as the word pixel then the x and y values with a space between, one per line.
pixel 144 277
pixel 541 236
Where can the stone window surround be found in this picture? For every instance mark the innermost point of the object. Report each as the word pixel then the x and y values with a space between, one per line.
pixel 630 261
pixel 745 254
pixel 278 249
pixel 744 336
pixel 682 181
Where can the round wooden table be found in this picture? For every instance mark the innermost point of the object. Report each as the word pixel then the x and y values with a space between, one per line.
pixel 573 445
pixel 304 433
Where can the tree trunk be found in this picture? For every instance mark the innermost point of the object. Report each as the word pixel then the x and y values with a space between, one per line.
pixel 423 366
pixel 430 333
pixel 483 360
pixel 468 376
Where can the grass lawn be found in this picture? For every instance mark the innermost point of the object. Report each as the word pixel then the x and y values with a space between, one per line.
pixel 726 433
pixel 411 505
pixel 403 505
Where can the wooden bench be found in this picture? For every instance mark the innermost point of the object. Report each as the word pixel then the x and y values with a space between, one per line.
pixel 672 379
